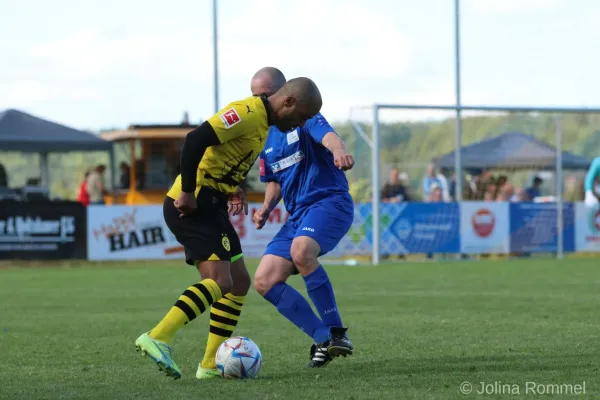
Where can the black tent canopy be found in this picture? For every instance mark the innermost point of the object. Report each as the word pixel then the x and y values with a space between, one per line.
pixel 22 132
pixel 511 150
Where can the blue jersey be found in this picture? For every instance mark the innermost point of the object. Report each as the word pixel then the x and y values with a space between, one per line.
pixel 301 165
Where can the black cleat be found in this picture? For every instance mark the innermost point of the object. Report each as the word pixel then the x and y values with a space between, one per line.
pixel 339 344
pixel 319 356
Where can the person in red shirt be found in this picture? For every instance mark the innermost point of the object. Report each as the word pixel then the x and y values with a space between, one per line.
pixel 83 196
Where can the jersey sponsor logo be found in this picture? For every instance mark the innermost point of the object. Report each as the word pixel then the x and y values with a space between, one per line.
pixel 262 167
pixel 306 228
pixel 267 151
pixel 293 137
pixel 230 118
pixel 287 162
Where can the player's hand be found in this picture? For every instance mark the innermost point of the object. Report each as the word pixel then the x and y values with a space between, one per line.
pixel 260 218
pixel 238 202
pixel 342 160
pixel 186 203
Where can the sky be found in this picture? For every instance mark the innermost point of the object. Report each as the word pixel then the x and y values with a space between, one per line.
pixel 108 64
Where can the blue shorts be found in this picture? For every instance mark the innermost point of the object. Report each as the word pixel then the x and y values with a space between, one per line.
pixel 326 221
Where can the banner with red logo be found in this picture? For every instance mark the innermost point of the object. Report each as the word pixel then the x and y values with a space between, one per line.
pixel 587 228
pixel 484 228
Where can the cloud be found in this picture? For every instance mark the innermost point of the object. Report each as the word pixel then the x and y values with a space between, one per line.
pixel 351 41
pixel 21 94
pixel 154 70
pixel 511 6
pixel 90 53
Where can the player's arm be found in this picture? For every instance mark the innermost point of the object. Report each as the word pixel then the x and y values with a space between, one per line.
pixel 222 127
pixel 272 193
pixel 195 145
pixel 320 130
pixel 335 145
pixel 272 198
pixel 591 176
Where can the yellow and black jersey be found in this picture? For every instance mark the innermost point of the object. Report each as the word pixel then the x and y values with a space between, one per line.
pixel 242 129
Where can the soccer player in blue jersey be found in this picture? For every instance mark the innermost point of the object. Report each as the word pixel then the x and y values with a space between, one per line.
pixel 305 167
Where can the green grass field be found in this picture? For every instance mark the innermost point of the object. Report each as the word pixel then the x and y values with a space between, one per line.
pixel 419 329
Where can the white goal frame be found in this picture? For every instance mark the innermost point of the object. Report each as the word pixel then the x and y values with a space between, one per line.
pixel 376 160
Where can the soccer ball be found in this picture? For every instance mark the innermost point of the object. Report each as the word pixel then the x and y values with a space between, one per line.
pixel 239 357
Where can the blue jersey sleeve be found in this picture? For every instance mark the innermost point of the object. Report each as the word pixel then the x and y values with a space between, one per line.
pixel 266 174
pixel 592 174
pixel 317 127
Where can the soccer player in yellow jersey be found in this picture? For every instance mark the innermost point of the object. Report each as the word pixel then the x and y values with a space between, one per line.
pixel 215 159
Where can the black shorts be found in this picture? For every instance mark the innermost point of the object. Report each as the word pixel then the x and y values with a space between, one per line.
pixel 207 234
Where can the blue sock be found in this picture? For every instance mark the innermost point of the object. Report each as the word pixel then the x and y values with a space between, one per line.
pixel 321 293
pixel 292 305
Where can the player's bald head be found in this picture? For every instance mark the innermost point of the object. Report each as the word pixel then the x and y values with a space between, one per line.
pixel 267 81
pixel 297 101
pixel 304 92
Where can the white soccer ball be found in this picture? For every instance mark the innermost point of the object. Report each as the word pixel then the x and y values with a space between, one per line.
pixel 239 357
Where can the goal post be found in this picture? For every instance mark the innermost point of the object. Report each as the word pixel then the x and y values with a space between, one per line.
pixel 375 144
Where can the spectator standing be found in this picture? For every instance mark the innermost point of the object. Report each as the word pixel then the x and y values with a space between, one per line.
pixel 535 190
pixel 436 194
pixel 484 181
pixel 518 196
pixel 429 180
pixel 82 195
pixel 394 191
pixel 506 193
pixel 444 185
pixel 95 185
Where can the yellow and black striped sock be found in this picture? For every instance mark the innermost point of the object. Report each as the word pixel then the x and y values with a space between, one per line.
pixel 224 316
pixel 193 302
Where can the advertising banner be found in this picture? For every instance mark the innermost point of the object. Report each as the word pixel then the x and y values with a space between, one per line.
pixel 587 228
pixel 411 228
pixel 533 227
pixel 140 232
pixel 42 231
pixel 484 228
pixel 129 233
